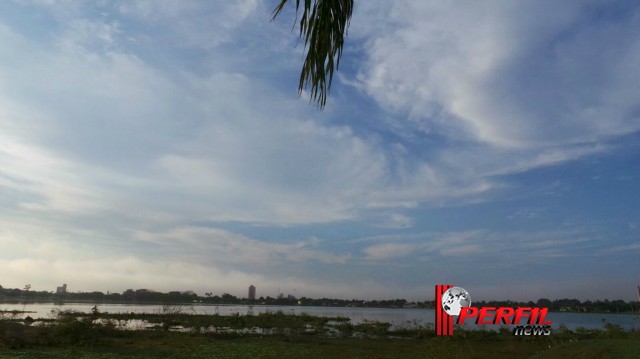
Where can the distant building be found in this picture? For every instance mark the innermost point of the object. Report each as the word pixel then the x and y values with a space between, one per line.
pixel 61 290
pixel 252 292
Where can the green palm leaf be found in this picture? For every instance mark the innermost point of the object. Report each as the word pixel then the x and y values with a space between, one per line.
pixel 324 26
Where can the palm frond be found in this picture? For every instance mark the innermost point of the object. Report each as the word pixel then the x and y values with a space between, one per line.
pixel 323 25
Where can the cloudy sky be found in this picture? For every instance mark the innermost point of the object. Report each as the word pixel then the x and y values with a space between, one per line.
pixel 162 145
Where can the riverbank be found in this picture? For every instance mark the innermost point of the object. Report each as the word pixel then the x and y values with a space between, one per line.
pixel 176 335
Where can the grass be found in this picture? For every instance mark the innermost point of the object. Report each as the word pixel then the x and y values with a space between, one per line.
pixel 595 348
pixel 263 320
pixel 184 345
pixel 76 336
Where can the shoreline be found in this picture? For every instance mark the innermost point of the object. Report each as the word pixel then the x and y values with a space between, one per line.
pixel 247 305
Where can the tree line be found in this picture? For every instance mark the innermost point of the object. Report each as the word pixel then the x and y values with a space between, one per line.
pixel 152 296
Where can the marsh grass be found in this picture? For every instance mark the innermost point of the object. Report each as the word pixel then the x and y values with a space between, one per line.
pixel 268 335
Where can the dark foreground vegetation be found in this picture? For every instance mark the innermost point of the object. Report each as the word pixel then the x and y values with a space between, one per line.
pixel 141 296
pixel 172 334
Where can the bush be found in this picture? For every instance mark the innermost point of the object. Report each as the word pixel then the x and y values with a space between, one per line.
pixel 71 330
pixel 614 331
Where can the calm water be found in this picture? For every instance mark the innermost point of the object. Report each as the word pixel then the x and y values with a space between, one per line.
pixel 396 317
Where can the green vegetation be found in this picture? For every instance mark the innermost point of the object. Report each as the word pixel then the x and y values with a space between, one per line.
pixel 96 335
pixel 323 25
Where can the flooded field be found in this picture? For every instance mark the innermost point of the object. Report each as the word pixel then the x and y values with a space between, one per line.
pixel 396 317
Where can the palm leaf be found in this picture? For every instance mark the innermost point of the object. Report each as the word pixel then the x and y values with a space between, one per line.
pixel 323 25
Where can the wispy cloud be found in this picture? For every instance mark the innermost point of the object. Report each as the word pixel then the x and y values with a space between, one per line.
pixel 222 246
pixel 489 245
pixel 633 247
pixel 389 250
pixel 492 74
pixel 145 136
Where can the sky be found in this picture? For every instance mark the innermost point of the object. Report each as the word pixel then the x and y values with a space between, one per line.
pixel 163 145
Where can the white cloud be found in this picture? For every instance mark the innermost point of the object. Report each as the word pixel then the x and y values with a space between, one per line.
pixel 195 138
pixel 507 246
pixel 43 182
pixel 134 120
pixel 393 220
pixel 46 253
pixel 222 246
pixel 464 250
pixel 389 251
pixel 218 145
pixel 625 248
pixel 90 35
pixel 432 244
pixel 194 23
pixel 524 75
pixel 119 273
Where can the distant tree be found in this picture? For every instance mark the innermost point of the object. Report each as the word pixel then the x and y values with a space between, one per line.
pixel 128 294
pixel 229 299
pixel 544 303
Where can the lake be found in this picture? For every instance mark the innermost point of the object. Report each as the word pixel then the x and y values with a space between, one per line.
pixel 397 317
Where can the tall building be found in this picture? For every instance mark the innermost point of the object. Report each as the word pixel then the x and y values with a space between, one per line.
pixel 61 290
pixel 252 292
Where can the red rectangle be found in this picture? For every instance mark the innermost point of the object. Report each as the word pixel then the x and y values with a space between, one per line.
pixel 438 309
pixel 444 322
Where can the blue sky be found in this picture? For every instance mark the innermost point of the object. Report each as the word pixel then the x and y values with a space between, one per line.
pixel 162 145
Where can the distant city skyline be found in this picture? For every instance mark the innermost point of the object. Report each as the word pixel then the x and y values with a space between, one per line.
pixel 494 146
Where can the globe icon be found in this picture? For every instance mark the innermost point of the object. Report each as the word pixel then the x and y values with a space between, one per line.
pixel 454 299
